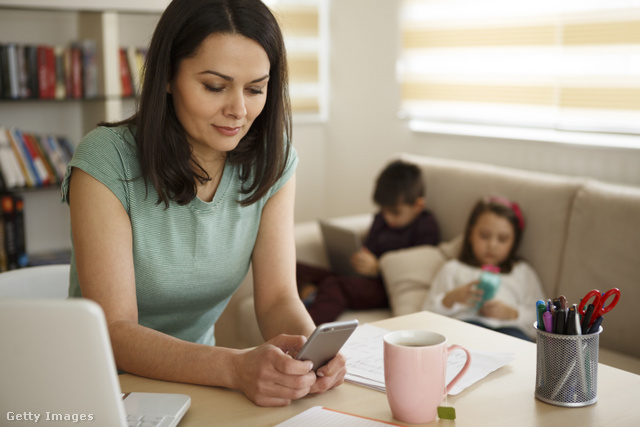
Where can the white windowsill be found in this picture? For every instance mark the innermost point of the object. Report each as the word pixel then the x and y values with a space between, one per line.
pixel 529 134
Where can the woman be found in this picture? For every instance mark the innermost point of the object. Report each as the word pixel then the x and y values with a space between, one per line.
pixel 170 206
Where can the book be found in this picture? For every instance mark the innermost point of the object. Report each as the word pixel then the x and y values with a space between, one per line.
pixel 8 222
pixel 75 81
pixel 40 141
pixel 13 89
pixel 28 159
pixel 136 57
pixel 57 158
pixel 32 162
pixel 90 68
pixel 40 166
pixel 23 159
pixel 11 172
pixel 23 86
pixel 125 74
pixel 141 57
pixel 32 70
pixel 4 72
pixel 4 266
pixel 67 72
pixel 22 259
pixel 46 72
pixel 61 72
pixel 66 146
pixel 132 58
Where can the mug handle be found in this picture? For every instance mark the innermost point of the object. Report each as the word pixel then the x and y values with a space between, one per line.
pixel 464 369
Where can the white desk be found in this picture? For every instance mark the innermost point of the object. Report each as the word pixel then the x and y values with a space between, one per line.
pixel 504 398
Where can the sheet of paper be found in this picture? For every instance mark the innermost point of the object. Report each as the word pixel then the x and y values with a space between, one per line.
pixel 322 417
pixel 365 364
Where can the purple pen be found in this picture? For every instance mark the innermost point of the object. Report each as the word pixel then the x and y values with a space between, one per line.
pixel 548 321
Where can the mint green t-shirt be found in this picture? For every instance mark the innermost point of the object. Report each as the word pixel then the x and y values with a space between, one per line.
pixel 188 259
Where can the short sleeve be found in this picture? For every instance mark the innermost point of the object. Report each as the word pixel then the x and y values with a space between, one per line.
pixel 289 170
pixel 108 155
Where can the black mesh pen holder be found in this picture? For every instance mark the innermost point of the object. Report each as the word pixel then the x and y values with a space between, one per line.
pixel 567 368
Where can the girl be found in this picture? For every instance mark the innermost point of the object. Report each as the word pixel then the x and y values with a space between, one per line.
pixel 492 237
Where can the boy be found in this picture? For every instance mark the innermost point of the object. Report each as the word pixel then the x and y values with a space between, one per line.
pixel 402 222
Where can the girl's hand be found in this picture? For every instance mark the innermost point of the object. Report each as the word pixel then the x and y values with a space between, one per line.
pixel 468 294
pixel 269 376
pixel 365 263
pixel 498 310
pixel 330 375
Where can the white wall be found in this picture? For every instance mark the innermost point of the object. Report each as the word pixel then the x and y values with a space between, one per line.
pixel 340 159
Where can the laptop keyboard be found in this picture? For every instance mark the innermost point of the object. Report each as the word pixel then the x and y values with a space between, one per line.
pixel 149 421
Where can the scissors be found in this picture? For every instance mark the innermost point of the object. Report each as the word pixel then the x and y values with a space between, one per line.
pixel 600 305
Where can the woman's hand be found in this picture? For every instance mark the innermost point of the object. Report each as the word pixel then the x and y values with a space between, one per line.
pixel 365 263
pixel 269 376
pixel 330 375
pixel 468 294
pixel 498 310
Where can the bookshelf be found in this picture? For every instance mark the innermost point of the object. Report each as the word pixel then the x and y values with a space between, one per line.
pixel 60 22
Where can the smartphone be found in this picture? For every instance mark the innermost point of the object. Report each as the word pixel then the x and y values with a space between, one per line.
pixel 326 341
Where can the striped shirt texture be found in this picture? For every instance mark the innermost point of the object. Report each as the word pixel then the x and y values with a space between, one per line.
pixel 188 259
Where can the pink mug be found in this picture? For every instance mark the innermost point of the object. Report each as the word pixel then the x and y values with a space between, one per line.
pixel 415 367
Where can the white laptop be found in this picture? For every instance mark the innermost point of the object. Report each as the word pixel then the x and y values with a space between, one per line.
pixel 57 367
pixel 340 243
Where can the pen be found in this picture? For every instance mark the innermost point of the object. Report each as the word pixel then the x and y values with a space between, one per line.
pixel 560 321
pixel 570 327
pixel 541 308
pixel 581 349
pixel 577 320
pixel 596 325
pixel 563 302
pixel 586 319
pixel 548 321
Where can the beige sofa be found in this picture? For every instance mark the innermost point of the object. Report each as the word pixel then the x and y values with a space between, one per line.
pixel 580 235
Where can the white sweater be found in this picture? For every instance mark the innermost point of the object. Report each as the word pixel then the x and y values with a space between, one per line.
pixel 520 289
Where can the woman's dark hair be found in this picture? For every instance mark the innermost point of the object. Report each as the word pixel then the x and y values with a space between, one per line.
pixel 165 155
pixel 504 208
pixel 400 182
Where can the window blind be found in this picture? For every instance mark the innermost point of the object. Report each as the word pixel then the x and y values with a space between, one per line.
pixel 305 29
pixel 558 64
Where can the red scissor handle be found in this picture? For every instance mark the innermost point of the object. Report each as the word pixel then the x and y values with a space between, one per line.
pixel 596 295
pixel 607 307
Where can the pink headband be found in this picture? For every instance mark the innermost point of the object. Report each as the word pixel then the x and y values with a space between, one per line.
pixel 511 205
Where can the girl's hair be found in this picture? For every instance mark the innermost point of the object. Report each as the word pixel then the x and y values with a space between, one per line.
pixel 166 157
pixel 504 208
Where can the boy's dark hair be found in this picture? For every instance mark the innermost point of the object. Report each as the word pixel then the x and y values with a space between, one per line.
pixel 165 155
pixel 504 208
pixel 400 182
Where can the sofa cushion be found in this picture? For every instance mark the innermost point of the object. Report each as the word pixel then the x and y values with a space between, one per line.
pixel 408 273
pixel 602 252
pixel 453 187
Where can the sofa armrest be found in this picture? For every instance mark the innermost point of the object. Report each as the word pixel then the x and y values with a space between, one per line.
pixel 309 245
